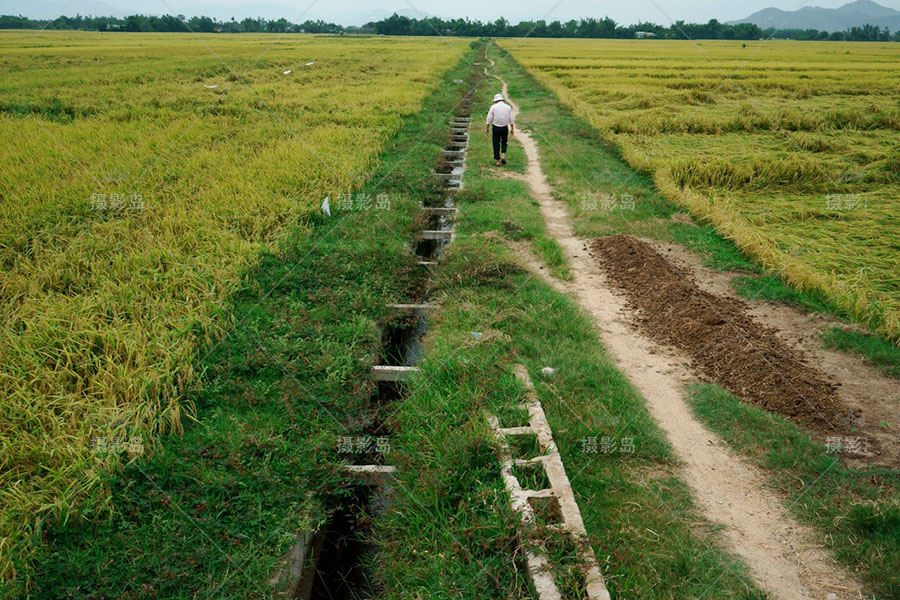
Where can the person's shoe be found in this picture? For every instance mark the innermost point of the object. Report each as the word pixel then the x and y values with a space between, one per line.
pixel 503 161
pixel 497 163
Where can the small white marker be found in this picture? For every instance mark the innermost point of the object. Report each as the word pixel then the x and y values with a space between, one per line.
pixel 326 206
pixel 210 87
pixel 309 64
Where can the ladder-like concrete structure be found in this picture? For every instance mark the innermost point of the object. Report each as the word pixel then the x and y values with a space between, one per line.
pixel 560 492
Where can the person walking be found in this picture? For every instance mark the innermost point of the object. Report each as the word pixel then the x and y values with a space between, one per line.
pixel 501 117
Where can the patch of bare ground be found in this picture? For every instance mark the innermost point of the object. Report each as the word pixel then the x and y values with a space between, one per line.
pixel 726 345
pixel 872 398
pixel 498 174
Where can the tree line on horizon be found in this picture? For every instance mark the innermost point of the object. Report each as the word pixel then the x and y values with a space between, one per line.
pixel 401 25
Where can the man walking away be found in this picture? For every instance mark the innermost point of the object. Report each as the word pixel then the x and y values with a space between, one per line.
pixel 501 117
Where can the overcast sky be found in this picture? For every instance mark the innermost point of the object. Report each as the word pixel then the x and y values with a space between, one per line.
pixel 659 11
pixel 357 12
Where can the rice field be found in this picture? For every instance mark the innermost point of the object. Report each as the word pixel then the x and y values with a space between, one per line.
pixel 142 174
pixel 789 149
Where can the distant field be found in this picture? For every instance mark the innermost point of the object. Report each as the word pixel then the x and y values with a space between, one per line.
pixel 790 149
pixel 133 195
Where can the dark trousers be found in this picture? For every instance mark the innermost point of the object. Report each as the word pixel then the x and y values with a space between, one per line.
pixel 501 138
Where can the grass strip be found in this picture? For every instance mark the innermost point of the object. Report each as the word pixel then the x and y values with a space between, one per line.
pixel 857 511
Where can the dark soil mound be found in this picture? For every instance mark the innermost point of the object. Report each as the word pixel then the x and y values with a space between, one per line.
pixel 727 346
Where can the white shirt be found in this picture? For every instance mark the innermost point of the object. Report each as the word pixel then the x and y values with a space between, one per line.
pixel 500 114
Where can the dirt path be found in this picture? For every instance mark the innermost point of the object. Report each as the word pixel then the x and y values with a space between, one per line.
pixel 782 555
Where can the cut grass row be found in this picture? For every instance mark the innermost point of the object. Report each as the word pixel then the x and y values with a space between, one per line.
pixel 104 314
pixel 797 164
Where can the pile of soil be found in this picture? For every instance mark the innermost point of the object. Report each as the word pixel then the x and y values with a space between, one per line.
pixel 727 346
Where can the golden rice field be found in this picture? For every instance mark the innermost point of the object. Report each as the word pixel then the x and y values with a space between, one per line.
pixel 790 149
pixel 133 195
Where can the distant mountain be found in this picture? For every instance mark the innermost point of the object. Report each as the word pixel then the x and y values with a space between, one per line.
pixel 377 14
pixel 266 10
pixel 855 14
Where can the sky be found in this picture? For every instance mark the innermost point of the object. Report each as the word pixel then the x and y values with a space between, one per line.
pixel 659 11
pixel 356 12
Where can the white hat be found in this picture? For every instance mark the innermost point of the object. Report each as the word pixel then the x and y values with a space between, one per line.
pixel 498 97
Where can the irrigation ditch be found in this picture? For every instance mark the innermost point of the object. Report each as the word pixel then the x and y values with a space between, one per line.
pixel 334 562
pixel 337 560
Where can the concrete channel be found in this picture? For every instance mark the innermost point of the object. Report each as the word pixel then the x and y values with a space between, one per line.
pixel 326 564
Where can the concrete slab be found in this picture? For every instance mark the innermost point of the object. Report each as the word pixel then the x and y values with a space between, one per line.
pixel 390 373
pixel 560 489
pixel 435 234
pixel 410 310
pixel 372 475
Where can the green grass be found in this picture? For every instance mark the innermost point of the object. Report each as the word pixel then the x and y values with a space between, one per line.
pixel 501 205
pixel 447 483
pixel 449 486
pixel 494 198
pixel 856 510
pixel 549 251
pixel 774 288
pixel 875 350
pixel 567 574
pixel 210 514
pixel 450 531
pixel 54 110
